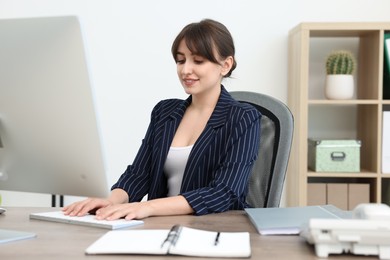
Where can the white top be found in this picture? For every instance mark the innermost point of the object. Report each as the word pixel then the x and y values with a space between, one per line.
pixel 174 167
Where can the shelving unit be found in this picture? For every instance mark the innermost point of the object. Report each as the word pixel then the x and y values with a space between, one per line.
pixel 362 116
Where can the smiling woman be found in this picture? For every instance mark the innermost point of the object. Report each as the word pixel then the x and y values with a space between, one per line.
pixel 197 153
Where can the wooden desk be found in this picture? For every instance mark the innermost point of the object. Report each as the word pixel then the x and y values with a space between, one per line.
pixel 66 241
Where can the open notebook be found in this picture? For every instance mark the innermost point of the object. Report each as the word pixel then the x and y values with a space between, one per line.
pixel 179 240
pixel 88 220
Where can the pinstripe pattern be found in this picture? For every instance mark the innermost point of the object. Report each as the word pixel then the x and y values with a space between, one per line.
pixel 219 165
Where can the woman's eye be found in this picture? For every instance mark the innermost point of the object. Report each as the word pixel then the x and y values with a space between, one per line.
pixel 198 61
pixel 180 61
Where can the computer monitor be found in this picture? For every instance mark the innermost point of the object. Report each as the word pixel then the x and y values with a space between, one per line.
pixel 50 140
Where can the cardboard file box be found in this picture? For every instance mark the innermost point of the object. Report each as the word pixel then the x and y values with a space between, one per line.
pixel 345 196
pixel 334 155
pixel 337 195
pixel 316 194
pixel 358 193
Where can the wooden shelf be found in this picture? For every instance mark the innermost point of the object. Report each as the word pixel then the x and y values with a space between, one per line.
pixel 344 102
pixel 304 100
pixel 363 174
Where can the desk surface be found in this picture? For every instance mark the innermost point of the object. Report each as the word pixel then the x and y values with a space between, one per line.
pixel 67 241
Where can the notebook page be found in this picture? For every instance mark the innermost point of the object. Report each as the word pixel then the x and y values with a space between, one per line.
pixel 195 242
pixel 131 242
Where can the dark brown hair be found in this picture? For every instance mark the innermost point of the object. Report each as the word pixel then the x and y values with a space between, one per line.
pixel 203 37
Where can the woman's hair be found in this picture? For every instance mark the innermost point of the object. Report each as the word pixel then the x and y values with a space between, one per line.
pixel 203 38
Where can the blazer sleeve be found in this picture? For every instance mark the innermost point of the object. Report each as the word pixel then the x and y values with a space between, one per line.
pixel 228 189
pixel 135 180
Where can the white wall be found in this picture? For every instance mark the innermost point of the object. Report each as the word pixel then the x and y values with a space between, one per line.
pixel 128 44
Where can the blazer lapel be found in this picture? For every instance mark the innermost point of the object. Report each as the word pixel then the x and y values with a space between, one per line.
pixel 218 118
pixel 165 133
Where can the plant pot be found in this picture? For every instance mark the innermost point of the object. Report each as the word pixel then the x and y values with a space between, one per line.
pixel 339 86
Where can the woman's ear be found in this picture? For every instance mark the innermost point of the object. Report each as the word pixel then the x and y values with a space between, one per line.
pixel 227 65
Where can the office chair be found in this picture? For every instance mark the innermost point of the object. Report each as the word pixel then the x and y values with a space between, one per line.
pixel 269 171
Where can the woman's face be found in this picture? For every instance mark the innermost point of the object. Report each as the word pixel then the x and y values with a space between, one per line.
pixel 197 74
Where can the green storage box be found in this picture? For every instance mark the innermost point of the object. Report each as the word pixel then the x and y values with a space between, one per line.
pixel 334 155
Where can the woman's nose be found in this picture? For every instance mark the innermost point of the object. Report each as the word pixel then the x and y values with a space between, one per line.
pixel 187 68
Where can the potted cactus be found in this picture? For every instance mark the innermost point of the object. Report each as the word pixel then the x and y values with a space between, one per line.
pixel 340 66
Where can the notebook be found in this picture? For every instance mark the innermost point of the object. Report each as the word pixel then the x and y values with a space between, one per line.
pixel 288 221
pixel 179 240
pixel 88 220
pixel 7 235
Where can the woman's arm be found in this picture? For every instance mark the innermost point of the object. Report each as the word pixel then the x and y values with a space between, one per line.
pixel 116 206
pixel 176 205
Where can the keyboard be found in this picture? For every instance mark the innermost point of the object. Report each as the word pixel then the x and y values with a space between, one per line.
pixel 87 220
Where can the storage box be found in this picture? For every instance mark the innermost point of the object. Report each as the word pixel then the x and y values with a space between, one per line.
pixel 358 193
pixel 337 195
pixel 334 155
pixel 316 194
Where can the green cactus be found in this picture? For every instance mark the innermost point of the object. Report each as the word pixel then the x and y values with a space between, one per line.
pixel 340 62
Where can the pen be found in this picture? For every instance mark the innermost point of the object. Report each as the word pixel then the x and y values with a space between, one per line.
pixel 216 241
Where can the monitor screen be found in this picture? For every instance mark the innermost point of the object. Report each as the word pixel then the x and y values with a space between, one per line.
pixel 50 140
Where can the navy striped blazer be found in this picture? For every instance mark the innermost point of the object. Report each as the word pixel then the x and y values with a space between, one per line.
pixel 218 168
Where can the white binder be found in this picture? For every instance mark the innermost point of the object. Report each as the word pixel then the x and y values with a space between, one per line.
pixel 386 142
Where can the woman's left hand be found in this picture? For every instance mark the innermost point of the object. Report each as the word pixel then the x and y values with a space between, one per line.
pixel 176 205
pixel 134 210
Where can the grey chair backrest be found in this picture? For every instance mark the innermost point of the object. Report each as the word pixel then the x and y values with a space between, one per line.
pixel 277 125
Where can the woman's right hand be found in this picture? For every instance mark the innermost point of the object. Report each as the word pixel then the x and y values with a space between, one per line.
pixel 82 208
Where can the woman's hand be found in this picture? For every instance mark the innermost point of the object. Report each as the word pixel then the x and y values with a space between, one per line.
pixel 135 210
pixel 176 205
pixel 91 205
pixel 81 208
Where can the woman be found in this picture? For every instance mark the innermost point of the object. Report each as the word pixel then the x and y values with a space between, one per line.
pixel 197 154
